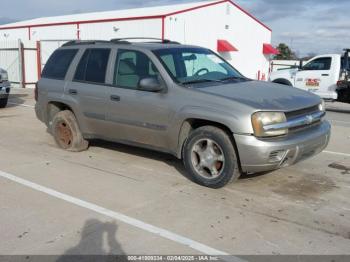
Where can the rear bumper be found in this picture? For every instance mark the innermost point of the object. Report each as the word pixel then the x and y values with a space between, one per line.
pixel 259 155
pixel 330 95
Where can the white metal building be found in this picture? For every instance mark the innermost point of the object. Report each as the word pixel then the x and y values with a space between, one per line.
pixel 222 26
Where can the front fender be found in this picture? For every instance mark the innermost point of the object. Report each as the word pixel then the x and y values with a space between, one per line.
pixel 230 120
pixel 237 122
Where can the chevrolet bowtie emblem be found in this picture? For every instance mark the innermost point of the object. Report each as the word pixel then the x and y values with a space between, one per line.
pixel 309 119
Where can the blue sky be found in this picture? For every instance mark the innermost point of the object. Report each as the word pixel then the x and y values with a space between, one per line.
pixel 308 26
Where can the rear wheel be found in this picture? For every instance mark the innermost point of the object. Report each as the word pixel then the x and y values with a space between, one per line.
pixel 3 102
pixel 210 158
pixel 66 132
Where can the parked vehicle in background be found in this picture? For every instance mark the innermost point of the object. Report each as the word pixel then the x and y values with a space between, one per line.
pixel 4 88
pixel 179 99
pixel 325 75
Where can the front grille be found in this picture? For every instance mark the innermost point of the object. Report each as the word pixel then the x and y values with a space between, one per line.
pixel 301 112
pixel 303 127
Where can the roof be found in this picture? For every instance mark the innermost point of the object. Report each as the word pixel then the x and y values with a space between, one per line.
pixel 137 13
pixel 143 45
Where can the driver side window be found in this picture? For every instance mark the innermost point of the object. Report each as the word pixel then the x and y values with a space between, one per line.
pixel 131 67
pixel 323 63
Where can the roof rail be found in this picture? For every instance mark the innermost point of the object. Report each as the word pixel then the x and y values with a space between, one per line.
pixel 125 40
pixel 85 42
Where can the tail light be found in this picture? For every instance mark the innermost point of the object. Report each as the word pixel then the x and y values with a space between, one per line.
pixel 36 91
pixel 339 83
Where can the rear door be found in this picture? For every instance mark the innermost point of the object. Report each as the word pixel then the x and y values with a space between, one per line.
pixel 137 116
pixel 89 88
pixel 318 76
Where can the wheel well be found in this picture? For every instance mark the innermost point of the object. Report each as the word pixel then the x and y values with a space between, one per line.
pixel 282 81
pixel 194 123
pixel 54 107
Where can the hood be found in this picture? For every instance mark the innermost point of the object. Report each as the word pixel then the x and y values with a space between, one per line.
pixel 264 95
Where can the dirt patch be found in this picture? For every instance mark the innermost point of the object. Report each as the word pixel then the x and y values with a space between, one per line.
pixel 309 186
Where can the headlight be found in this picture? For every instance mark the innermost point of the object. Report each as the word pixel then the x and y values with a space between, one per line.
pixel 322 106
pixel 261 120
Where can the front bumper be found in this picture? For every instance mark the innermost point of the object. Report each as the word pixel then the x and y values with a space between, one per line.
pixel 4 89
pixel 258 155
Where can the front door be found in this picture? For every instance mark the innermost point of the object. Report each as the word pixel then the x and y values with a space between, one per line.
pixel 134 115
pixel 316 76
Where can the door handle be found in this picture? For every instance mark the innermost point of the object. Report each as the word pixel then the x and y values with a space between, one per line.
pixel 115 98
pixel 325 74
pixel 72 91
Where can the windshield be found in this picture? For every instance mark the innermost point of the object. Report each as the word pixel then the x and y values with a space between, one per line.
pixel 196 65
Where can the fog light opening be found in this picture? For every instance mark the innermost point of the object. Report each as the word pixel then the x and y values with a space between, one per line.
pixel 277 156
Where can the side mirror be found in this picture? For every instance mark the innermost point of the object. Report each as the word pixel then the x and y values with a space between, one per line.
pixel 150 84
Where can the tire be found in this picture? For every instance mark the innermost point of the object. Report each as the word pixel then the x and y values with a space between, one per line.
pixel 3 102
pixel 66 132
pixel 206 141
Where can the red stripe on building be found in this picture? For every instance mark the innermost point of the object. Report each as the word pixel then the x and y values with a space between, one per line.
pixel 163 27
pixel 23 66
pixel 249 14
pixel 78 31
pixel 38 58
pixel 195 8
pixel 84 22
pixel 137 17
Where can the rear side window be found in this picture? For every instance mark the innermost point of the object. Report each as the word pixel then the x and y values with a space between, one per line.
pixel 93 66
pixel 58 64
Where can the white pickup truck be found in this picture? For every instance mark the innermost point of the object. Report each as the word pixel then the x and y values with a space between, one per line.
pixel 325 75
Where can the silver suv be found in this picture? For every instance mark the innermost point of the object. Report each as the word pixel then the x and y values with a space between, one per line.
pixel 4 88
pixel 178 99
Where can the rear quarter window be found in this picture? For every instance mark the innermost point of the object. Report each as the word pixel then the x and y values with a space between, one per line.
pixel 58 64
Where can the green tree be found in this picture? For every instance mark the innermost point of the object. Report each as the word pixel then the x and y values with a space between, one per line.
pixel 285 53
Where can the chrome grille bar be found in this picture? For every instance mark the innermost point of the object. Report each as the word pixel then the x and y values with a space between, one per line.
pixel 296 122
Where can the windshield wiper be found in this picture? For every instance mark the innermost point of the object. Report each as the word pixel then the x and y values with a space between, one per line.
pixel 201 81
pixel 233 78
